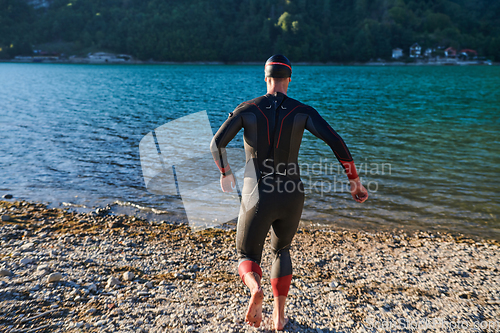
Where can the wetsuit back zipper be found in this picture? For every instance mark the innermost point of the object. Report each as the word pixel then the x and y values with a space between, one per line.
pixel 276 120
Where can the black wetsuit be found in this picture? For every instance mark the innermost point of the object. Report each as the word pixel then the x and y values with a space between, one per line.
pixel 273 194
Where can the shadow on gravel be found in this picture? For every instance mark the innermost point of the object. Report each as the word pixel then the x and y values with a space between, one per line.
pixel 294 326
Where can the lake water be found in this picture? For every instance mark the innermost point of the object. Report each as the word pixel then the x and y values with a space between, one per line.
pixel 426 139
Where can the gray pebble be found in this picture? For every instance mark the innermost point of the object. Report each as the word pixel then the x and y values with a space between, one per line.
pixel 27 246
pixel 333 284
pixel 54 277
pixel 112 281
pixel 26 261
pixel 128 276
pixel 5 218
pixel 5 272
pixel 117 312
pixel 100 323
pixel 7 196
pixel 43 267
pixel 91 311
pixel 92 288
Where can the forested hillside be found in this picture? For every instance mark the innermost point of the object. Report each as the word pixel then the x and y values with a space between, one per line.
pixel 251 30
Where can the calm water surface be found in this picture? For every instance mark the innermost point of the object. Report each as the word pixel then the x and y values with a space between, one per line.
pixel 425 138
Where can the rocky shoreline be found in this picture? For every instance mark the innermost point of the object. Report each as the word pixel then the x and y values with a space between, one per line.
pixel 62 271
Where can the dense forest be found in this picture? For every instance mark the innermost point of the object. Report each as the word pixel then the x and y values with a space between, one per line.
pixel 249 30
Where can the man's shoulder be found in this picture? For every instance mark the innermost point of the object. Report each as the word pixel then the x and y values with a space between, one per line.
pixel 250 104
pixel 261 101
pixel 255 101
pixel 292 101
pixel 258 101
pixel 298 104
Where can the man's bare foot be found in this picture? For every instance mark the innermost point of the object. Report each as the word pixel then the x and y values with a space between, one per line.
pixel 254 312
pixel 279 313
pixel 279 321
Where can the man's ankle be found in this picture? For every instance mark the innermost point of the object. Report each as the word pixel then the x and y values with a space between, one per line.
pixel 252 281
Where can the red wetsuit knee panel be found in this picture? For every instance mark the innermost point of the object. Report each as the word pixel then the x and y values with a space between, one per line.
pixel 281 285
pixel 248 266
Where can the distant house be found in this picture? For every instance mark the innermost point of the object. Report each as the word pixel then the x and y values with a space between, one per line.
pixel 415 51
pixel 467 53
pixel 428 52
pixel 125 57
pixel 397 53
pixel 450 52
pixel 41 56
pixel 23 58
pixel 108 57
pixel 102 56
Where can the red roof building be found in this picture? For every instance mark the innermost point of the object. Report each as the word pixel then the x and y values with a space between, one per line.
pixel 450 52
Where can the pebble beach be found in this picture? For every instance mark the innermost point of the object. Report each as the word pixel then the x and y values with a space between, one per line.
pixel 63 271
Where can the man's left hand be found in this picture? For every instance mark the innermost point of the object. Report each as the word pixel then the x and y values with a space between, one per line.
pixel 358 191
pixel 227 183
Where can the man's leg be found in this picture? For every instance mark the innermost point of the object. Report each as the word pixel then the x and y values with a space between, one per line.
pixel 253 226
pixel 282 234
pixel 279 313
pixel 251 275
pixel 281 277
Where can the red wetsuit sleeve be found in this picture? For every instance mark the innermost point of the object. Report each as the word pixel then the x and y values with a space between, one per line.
pixel 224 135
pixel 350 169
pixel 321 129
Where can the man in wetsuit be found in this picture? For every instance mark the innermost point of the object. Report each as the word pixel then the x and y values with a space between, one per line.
pixel 273 194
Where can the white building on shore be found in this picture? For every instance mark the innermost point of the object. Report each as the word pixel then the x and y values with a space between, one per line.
pixel 397 53
pixel 415 51
pixel 108 57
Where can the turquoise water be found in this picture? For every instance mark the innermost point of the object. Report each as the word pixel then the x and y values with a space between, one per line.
pixel 425 138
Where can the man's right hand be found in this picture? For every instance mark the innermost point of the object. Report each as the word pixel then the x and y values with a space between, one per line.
pixel 227 183
pixel 358 191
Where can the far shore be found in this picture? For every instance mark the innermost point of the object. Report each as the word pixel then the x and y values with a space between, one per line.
pixel 251 63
